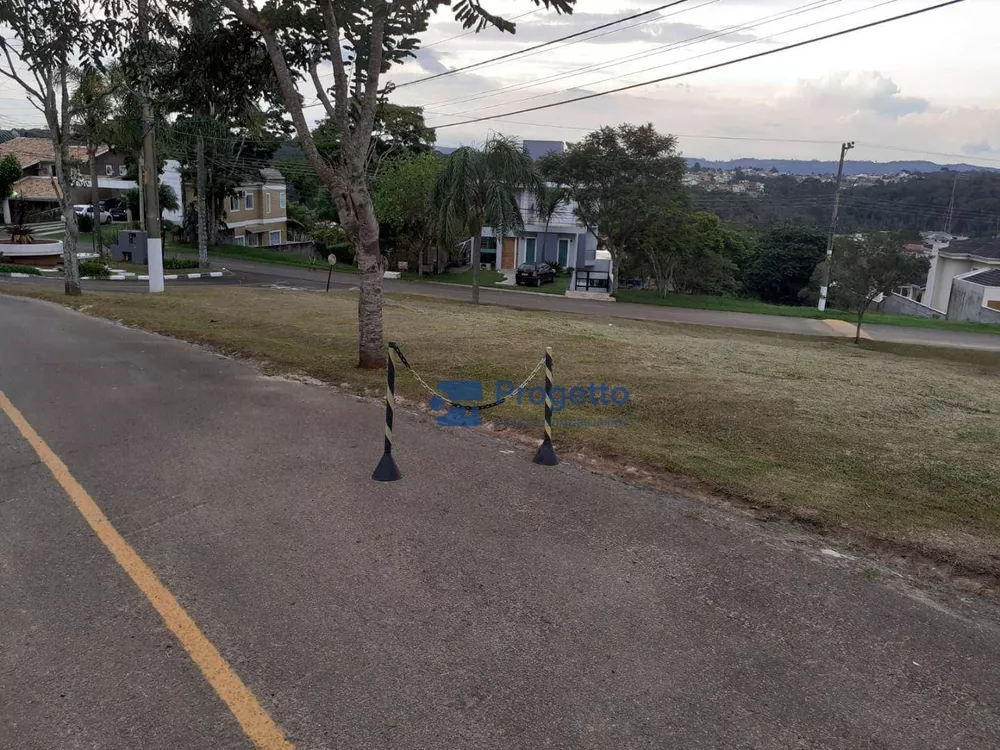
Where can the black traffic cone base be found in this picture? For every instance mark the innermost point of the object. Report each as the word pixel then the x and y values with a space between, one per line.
pixel 386 471
pixel 546 454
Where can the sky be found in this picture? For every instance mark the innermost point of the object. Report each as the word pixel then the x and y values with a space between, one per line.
pixel 920 88
pixel 927 84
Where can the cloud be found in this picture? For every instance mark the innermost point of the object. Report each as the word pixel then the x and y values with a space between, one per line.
pixel 862 92
pixel 645 29
pixel 429 62
pixel 982 148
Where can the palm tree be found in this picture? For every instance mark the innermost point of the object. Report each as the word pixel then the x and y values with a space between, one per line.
pixel 548 200
pixel 478 188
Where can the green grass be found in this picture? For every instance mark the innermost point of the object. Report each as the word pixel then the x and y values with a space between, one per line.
pixel 744 305
pixel 889 444
pixel 265 255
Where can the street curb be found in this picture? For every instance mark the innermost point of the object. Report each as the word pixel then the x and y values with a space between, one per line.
pixel 15 275
pixel 166 277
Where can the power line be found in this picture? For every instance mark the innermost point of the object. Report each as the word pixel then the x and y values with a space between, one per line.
pixel 716 66
pixel 706 54
pixel 661 49
pixel 549 43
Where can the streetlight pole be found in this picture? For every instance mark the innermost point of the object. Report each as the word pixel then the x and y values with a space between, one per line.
pixel 825 286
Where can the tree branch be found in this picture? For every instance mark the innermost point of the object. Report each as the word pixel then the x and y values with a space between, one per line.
pixel 286 83
pixel 341 94
pixel 12 74
pixel 366 120
pixel 321 91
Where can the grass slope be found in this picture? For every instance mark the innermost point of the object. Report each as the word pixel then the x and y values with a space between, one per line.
pixel 900 444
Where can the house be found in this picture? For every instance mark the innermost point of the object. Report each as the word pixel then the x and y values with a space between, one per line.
pixel 956 259
pixel 257 212
pixel 566 241
pixel 975 297
pixel 38 187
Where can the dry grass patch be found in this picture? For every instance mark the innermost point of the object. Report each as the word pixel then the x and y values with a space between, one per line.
pixel 899 446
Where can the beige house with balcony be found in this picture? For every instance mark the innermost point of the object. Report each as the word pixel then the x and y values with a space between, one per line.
pixel 257 213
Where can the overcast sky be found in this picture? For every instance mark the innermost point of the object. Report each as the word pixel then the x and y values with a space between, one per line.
pixel 926 84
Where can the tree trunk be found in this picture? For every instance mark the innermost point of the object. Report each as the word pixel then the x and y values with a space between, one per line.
pixel 477 242
pixel 857 333
pixel 202 188
pixel 420 261
pixel 357 217
pixel 95 200
pixel 142 191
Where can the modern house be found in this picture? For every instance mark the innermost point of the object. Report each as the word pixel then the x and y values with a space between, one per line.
pixel 564 241
pixel 957 259
pixel 37 185
pixel 257 213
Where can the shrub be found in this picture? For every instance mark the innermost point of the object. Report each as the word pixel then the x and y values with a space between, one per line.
pixel 175 263
pixel 85 222
pixel 343 251
pixel 14 268
pixel 95 269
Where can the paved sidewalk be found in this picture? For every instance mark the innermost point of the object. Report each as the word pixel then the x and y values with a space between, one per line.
pixel 481 602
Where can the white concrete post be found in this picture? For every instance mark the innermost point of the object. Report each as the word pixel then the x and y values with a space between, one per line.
pixel 154 250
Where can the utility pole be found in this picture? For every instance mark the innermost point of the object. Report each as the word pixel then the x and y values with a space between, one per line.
pixel 951 207
pixel 825 286
pixel 148 176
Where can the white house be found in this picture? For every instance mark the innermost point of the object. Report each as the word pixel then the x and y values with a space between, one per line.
pixel 950 259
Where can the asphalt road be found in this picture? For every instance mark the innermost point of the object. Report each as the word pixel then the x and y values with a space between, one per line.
pixel 481 602
pixel 286 277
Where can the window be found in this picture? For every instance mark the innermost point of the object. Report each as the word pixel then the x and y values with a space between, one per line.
pixel 267 203
pixel 529 250
pixel 234 202
pixel 488 243
pixel 241 240
pixel 248 201
pixel 251 239
pixel 282 200
pixel 274 238
pixel 109 170
pixel 122 170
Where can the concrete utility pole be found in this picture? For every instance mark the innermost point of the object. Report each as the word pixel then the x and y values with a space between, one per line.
pixel 149 188
pixel 951 207
pixel 825 286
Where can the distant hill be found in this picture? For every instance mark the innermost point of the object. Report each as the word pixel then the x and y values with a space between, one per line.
pixel 6 135
pixel 816 167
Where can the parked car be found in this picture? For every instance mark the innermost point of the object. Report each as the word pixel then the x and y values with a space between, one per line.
pixel 88 210
pixel 534 273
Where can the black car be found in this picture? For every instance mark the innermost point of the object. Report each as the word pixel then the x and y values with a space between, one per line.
pixel 118 214
pixel 534 273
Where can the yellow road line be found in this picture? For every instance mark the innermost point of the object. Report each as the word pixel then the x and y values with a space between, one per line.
pixel 256 722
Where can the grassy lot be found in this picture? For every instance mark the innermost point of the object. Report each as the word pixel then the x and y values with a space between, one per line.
pixel 489 279
pixel 739 304
pixel 896 445
pixel 265 255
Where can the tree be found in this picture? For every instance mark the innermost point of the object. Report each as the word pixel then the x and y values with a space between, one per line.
pixel 167 199
pixel 10 172
pixel 690 253
pixel 782 264
pixel 92 102
pixel 548 200
pixel 876 264
pixel 372 36
pixel 222 82
pixel 478 188
pixel 46 37
pixel 402 196
pixel 617 176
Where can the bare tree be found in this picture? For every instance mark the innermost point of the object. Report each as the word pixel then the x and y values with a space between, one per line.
pixel 302 35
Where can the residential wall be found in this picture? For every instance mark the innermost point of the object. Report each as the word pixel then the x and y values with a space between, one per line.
pixel 897 303
pixel 966 303
pixel 945 270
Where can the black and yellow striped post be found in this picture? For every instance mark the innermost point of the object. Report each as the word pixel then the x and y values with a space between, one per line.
pixel 546 454
pixel 387 471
